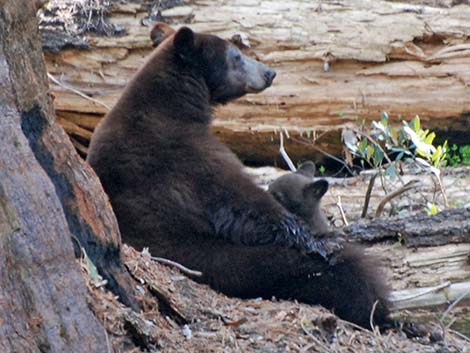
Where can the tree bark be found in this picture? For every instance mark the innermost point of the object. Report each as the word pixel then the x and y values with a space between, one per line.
pixel 47 196
pixel 451 226
pixel 336 62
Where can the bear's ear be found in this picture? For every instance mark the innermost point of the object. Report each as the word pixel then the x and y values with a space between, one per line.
pixel 160 32
pixel 315 190
pixel 307 169
pixel 184 42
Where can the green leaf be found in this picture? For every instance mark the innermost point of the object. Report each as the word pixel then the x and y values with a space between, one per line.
pixel 391 171
pixel 362 147
pixel 416 124
pixel 369 151
pixel 436 156
pixel 394 134
pixel 431 209
pixel 378 156
pixel 430 138
pixel 384 119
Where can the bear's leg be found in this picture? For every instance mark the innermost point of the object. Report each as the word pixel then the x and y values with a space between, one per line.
pixel 346 285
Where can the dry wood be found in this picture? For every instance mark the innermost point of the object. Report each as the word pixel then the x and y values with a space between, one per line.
pixel 42 293
pixel 419 67
pixel 430 296
pixel 408 186
pixel 48 196
pixel 447 227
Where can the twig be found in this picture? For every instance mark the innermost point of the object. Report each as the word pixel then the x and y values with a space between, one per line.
pixel 106 335
pixel 309 334
pixel 375 329
pixel 285 155
pixel 312 145
pixel 368 193
pixel 356 326
pixel 341 211
pixel 451 306
pixel 461 335
pixel 443 192
pixel 177 265
pixel 427 291
pixel 408 186
pixel 76 91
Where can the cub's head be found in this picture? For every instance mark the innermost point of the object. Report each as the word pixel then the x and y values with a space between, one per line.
pixel 227 73
pixel 301 195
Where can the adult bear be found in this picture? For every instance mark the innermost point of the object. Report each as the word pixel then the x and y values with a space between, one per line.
pixel 180 192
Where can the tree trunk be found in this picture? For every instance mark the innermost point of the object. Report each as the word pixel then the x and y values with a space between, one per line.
pixel 336 62
pixel 47 196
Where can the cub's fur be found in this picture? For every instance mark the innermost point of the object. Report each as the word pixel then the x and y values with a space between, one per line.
pixel 301 195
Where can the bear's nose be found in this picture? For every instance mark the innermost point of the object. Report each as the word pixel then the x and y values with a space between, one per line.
pixel 269 76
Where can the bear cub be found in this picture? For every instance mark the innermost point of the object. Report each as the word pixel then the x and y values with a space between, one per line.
pixel 301 195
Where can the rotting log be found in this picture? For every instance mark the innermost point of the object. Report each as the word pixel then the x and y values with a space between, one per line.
pixel 48 196
pixel 427 259
pixel 446 227
pixel 336 61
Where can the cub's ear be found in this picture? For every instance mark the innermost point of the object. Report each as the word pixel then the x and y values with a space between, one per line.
pixel 307 169
pixel 315 190
pixel 184 42
pixel 160 32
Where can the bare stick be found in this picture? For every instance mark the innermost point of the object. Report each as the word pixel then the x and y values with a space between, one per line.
pixel 427 291
pixel 177 265
pixel 285 155
pixel 341 211
pixel 368 193
pixel 451 306
pixel 408 186
pixel 375 329
pixel 312 145
pixel 441 186
pixel 461 335
pixel 76 91
pixel 106 335
pixel 309 334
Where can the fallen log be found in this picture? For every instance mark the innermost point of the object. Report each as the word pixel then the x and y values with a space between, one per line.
pixel 447 227
pixel 336 61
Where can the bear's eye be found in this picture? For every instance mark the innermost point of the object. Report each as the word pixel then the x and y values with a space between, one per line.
pixel 238 58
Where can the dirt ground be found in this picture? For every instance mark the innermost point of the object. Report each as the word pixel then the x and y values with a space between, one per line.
pixel 197 319
pixel 183 316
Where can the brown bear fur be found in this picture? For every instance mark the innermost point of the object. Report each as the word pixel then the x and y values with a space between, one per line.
pixel 182 193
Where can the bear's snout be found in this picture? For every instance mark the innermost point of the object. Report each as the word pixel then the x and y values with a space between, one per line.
pixel 269 76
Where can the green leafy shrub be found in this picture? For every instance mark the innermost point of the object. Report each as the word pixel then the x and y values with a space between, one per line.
pixel 383 147
pixel 458 155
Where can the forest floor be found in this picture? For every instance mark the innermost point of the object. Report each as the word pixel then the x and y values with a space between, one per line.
pixel 181 315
